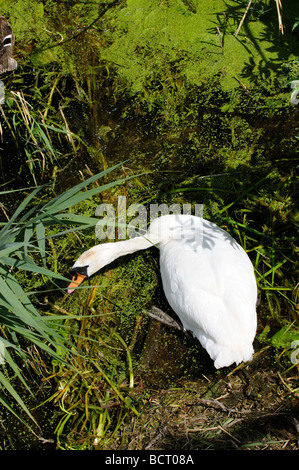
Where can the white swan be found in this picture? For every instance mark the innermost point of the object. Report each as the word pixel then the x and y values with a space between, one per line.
pixel 207 277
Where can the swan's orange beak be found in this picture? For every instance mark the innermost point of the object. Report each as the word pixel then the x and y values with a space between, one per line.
pixel 76 281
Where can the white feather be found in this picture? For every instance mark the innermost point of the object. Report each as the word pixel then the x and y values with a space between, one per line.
pixel 208 280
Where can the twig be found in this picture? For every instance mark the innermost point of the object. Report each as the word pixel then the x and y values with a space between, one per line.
pixel 229 434
pixel 91 174
pixel 85 28
pixel 162 317
pixel 2 207
pixel 156 438
pixel 45 441
pixel 279 8
pixel 220 37
pixel 243 18
pixel 216 404
pixel 216 428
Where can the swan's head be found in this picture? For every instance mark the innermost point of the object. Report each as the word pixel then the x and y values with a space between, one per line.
pixel 78 276
pixel 89 263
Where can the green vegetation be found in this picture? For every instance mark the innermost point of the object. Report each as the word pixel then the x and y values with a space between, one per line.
pixel 22 241
pixel 184 110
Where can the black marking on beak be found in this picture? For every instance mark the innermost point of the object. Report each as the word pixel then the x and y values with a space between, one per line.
pixel 79 270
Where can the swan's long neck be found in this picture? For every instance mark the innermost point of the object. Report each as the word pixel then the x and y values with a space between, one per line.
pixel 160 231
pixel 129 246
pixel 103 254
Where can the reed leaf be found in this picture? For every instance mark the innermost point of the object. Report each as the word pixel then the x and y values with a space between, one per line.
pixel 24 235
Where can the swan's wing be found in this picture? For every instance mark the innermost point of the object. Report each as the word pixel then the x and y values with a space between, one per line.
pixel 213 291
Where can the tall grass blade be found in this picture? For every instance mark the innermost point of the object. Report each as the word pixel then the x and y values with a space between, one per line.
pixel 21 240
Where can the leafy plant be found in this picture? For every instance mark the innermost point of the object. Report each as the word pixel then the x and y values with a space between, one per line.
pixel 295 24
pixel 22 242
pixel 38 141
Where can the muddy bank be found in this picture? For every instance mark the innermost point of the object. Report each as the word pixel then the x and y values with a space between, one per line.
pixel 252 407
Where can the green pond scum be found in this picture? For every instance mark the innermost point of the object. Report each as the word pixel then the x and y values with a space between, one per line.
pixel 174 102
pixel 154 43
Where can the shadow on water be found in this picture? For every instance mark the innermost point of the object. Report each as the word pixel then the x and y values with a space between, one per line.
pixel 258 69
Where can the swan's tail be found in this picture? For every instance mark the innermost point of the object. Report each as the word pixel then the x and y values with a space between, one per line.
pixel 226 355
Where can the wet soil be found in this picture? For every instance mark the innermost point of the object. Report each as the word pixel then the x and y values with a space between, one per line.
pixel 252 408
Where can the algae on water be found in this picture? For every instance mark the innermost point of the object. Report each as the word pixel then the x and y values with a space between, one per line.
pixel 157 47
pixel 196 39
